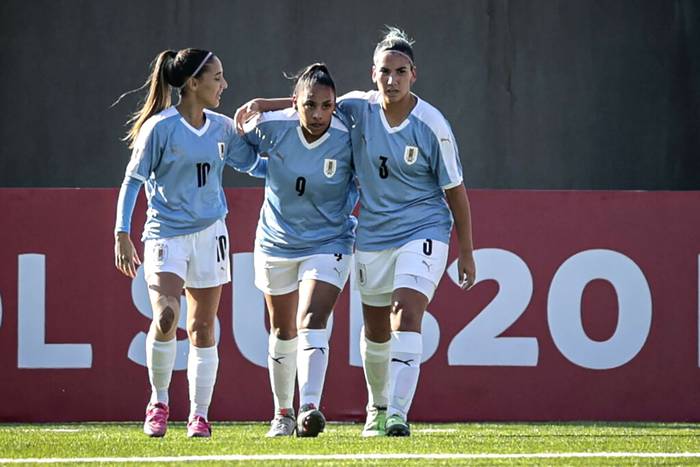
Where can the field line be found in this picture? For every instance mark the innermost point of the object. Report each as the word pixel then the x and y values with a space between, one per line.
pixel 331 457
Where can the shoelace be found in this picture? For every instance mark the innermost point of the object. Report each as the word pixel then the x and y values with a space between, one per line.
pixel 156 414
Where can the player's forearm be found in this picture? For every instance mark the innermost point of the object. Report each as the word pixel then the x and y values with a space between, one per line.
pixel 268 105
pixel 458 203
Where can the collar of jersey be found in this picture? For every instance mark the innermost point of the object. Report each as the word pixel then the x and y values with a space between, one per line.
pixel 316 143
pixel 403 125
pixel 198 132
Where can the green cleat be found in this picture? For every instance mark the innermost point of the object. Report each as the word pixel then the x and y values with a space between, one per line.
pixel 397 426
pixel 376 421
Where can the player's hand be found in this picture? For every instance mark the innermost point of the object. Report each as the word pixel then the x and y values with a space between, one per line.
pixel 466 270
pixel 126 259
pixel 245 112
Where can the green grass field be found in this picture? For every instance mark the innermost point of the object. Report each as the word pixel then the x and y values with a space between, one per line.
pixel 430 444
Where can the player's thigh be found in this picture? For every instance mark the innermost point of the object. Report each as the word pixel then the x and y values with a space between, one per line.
pixel 282 311
pixel 202 304
pixel 316 302
pixel 321 278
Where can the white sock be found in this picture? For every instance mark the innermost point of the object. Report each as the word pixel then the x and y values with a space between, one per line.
pixel 202 364
pixel 375 362
pixel 312 362
pixel 406 353
pixel 282 366
pixel 160 360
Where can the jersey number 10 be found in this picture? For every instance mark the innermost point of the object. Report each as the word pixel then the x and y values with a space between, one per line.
pixel 202 172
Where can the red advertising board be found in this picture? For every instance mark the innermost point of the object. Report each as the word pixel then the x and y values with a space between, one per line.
pixel 586 308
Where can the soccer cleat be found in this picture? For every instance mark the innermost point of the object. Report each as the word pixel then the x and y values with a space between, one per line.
pixel 198 427
pixel 310 421
pixel 156 423
pixel 376 420
pixel 283 424
pixel 397 426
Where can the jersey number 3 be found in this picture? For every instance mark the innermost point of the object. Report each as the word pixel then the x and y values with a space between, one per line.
pixel 383 168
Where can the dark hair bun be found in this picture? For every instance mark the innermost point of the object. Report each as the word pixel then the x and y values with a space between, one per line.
pixel 171 71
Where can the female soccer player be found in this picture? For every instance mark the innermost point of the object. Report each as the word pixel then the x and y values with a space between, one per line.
pixel 411 190
pixel 179 153
pixel 304 241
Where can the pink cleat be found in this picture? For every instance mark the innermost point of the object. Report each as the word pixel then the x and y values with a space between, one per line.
pixel 156 423
pixel 198 427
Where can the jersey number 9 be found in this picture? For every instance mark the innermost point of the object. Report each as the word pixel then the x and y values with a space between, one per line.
pixel 301 185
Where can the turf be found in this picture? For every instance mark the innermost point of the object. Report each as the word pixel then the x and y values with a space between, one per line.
pixel 125 440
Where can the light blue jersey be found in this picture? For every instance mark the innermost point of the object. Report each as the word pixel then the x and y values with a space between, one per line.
pixel 309 187
pixel 182 167
pixel 402 172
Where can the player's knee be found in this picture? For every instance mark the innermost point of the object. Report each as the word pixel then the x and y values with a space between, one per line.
pixel 284 333
pixel 315 319
pixel 397 307
pixel 409 317
pixel 166 318
pixel 201 333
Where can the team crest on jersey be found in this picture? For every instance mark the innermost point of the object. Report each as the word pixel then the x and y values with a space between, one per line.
pixel 410 155
pixel 222 150
pixel 329 166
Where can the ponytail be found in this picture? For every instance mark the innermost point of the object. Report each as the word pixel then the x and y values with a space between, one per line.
pixel 159 94
pixel 316 73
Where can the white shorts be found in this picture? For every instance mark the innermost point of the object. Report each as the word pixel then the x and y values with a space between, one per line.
pixel 278 276
pixel 417 265
pixel 201 259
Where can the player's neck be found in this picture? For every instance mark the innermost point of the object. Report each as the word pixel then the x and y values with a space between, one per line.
pixel 309 137
pixel 192 113
pixel 397 112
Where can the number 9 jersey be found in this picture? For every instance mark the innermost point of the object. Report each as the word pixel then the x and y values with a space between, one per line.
pixel 310 190
pixel 402 172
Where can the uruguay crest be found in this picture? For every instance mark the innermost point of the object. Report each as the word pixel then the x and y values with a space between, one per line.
pixel 222 150
pixel 329 166
pixel 410 155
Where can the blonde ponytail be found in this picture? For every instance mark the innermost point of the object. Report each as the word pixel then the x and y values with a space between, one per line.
pixel 158 98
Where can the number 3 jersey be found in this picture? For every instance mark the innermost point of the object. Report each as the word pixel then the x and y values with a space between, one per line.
pixel 402 172
pixel 182 168
pixel 310 190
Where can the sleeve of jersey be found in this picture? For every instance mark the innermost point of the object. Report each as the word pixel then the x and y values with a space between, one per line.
pixel 240 155
pixel 349 105
pixel 146 153
pixel 128 193
pixel 259 170
pixel 448 168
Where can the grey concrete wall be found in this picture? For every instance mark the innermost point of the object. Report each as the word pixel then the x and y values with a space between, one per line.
pixel 547 94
